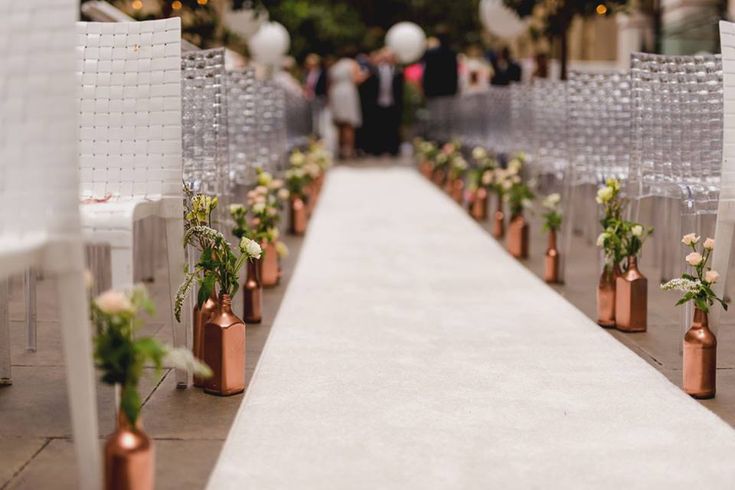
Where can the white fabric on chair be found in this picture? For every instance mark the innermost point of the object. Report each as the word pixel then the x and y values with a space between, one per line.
pixel 411 351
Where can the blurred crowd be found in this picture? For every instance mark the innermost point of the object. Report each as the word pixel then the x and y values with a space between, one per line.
pixel 363 95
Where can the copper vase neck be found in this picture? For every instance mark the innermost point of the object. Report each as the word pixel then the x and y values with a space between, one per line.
pixel 225 303
pixel 700 319
pixel 632 262
pixel 552 239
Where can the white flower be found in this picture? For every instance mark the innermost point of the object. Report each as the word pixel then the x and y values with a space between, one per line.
pixel 283 194
pixel 694 259
pixel 507 185
pixel 265 179
pixel 526 203
pixel 261 190
pixel 234 208
pixel 552 200
pixel 601 239
pixel 182 358
pixel 258 207
pixel 514 166
pixel 281 249
pixel 683 285
pixel 637 231
pixel 276 184
pixel 297 159
pixel 709 244
pixel 487 177
pixel 604 195
pixel 114 302
pixel 689 239
pixel 711 276
pixel 479 153
pixel 251 248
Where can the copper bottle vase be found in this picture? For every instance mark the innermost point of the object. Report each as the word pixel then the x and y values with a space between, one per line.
pixel 457 191
pixel 129 457
pixel 253 294
pixel 438 177
pixel 201 317
pixel 606 296
pixel 700 358
pixel 631 299
pixel 425 168
pixel 517 240
pixel 270 270
pixel 499 221
pixel 224 351
pixel 298 216
pixel 551 260
pixel 478 206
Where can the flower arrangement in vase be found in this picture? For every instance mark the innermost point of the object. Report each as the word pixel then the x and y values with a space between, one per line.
pixel 477 184
pixel 500 180
pixel 455 177
pixel 439 173
pixel 610 241
pixel 425 152
pixel 121 355
pixel 552 222
pixel 631 287
pixel 519 197
pixel 297 180
pixel 223 335
pixel 700 343
pixel 317 161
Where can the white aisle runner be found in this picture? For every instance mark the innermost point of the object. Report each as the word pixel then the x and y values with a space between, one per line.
pixel 411 352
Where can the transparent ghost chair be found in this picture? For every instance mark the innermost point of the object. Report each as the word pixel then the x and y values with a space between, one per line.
pixel 598 140
pixel 498 113
pixel 550 155
pixel 205 138
pixel 299 120
pixel 39 196
pixel 521 119
pixel 676 145
pixel 271 144
pixel 242 129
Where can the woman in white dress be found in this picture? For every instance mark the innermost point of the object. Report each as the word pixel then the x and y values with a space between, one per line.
pixel 344 102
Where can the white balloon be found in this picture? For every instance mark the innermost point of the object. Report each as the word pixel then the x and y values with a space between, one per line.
pixel 500 20
pixel 407 41
pixel 270 43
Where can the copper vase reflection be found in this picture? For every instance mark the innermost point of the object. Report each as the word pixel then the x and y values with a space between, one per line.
pixel 700 358
pixel 606 296
pixel 517 240
pixel 478 206
pixel 224 351
pixel 631 299
pixel 499 221
pixel 551 261
pixel 253 294
pixel 269 265
pixel 457 191
pixel 129 457
pixel 201 317
pixel 298 216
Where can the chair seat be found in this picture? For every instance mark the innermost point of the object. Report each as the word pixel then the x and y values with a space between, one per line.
pixel 112 221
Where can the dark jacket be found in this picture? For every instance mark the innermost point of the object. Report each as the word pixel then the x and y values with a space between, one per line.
pixel 440 72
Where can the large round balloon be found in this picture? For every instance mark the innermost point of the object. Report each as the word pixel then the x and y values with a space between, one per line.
pixel 500 20
pixel 407 41
pixel 269 44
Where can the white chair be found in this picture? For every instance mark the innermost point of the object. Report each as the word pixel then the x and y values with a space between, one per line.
pixel 39 186
pixel 130 154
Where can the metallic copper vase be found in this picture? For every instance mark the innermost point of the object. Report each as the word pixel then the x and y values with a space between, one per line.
pixel 499 221
pixel 224 351
pixel 425 169
pixel 298 216
pixel 438 177
pixel 449 185
pixel 631 299
pixel 551 261
pixel 270 269
pixel 201 317
pixel 253 294
pixel 458 191
pixel 478 206
pixel 700 358
pixel 517 240
pixel 606 296
pixel 129 457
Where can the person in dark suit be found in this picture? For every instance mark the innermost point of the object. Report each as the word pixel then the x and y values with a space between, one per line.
pixel 440 68
pixel 388 105
pixel 506 70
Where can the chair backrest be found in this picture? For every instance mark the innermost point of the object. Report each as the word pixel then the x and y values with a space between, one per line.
pixel 727 179
pixel 598 126
pixel 130 114
pixel 205 133
pixel 39 183
pixel 270 107
pixel 242 121
pixel 299 120
pixel 550 126
pixel 521 118
pixel 676 124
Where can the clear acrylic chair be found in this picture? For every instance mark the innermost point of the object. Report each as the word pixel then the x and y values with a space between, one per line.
pixel 299 121
pixel 130 143
pixel 242 121
pixel 39 188
pixel 521 119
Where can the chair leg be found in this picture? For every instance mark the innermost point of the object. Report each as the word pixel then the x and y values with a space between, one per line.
pixel 31 310
pixel 121 262
pixel 5 365
pixel 176 260
pixel 724 232
pixel 77 342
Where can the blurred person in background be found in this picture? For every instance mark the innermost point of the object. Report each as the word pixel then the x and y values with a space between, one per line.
pixel 542 66
pixel 315 88
pixel 475 72
pixel 344 102
pixel 440 67
pixel 506 69
pixel 388 104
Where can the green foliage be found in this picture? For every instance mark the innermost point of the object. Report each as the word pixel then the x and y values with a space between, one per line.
pixel 519 197
pixel 697 287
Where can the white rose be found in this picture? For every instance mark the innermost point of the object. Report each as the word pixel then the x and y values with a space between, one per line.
pixel 601 239
pixel 552 200
pixel 526 203
pixel 283 194
pixel 694 259
pixel 711 276
pixel 259 207
pixel 637 231
pixel 709 244
pixel 515 165
pixel 114 302
pixel 297 159
pixel 234 208
pixel 604 195
pixel 689 239
pixel 251 248
pixel 478 153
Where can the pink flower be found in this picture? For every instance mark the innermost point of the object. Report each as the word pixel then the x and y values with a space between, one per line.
pixel 711 276
pixel 694 259
pixel 709 244
pixel 113 302
pixel 689 239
